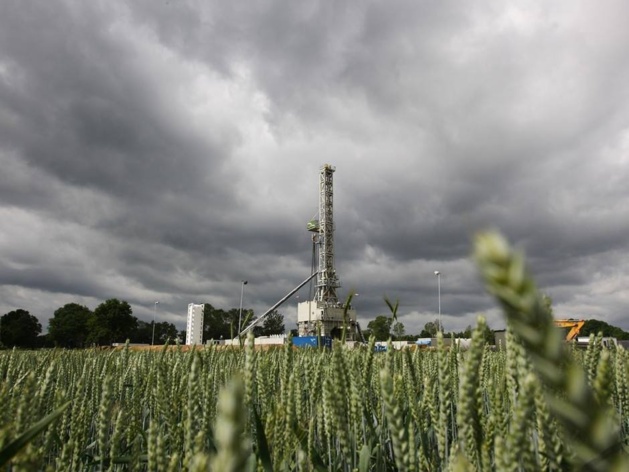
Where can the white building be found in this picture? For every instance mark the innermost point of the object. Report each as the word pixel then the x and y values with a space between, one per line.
pixel 194 328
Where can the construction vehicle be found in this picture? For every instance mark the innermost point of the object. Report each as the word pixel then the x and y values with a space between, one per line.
pixel 571 326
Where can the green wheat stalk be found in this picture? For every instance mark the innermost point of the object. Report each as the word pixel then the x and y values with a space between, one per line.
pixel 594 435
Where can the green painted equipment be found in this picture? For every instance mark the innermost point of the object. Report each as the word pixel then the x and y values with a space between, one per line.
pixel 313 225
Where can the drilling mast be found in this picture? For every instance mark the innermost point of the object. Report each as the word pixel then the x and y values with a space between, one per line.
pixel 325 315
pixel 327 282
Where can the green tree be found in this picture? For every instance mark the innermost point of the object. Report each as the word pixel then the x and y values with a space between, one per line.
pixel 272 324
pixel 430 329
pixel 142 334
pixel 466 334
pixel 222 324
pixel 113 321
pixel 597 326
pixel 164 331
pixel 488 334
pixel 380 327
pixel 44 340
pixel 216 323
pixel 19 328
pixel 398 330
pixel 69 325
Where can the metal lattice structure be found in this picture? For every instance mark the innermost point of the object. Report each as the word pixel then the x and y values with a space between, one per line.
pixel 325 315
pixel 327 282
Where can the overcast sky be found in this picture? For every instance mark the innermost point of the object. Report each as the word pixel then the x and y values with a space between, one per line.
pixel 166 150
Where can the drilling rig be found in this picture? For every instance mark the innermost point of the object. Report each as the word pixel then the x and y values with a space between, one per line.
pixel 324 315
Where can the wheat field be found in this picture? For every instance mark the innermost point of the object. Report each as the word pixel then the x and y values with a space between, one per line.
pixel 535 404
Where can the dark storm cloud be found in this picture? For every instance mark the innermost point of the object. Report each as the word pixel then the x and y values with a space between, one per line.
pixel 167 150
pixel 86 112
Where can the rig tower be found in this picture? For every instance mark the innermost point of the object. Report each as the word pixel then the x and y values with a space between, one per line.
pixel 325 315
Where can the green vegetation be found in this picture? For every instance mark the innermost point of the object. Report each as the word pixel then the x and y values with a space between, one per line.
pixel 607 330
pixel 421 410
pixel 539 404
pixel 223 324
pixel 19 328
pixel 76 326
pixel 380 327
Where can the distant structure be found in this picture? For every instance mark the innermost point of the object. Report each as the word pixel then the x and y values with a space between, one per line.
pixel 325 315
pixel 194 328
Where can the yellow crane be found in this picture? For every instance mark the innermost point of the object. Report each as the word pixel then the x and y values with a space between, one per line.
pixel 571 326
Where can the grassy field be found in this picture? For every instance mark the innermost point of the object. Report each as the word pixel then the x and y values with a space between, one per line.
pixel 536 405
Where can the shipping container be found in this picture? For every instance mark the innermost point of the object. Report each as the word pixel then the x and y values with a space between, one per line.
pixel 312 341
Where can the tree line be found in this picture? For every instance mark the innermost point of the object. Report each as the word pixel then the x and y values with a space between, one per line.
pixel 76 326
pixel 224 324
pixel 384 327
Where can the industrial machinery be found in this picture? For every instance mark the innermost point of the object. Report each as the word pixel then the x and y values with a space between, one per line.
pixel 324 315
pixel 270 310
pixel 571 327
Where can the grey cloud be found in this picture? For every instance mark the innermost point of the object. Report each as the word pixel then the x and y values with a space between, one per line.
pixel 165 151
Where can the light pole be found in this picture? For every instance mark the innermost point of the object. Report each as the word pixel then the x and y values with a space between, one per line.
pixel 242 291
pixel 154 313
pixel 438 274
